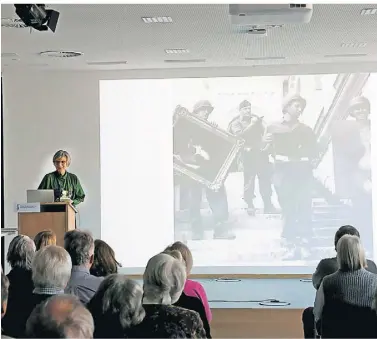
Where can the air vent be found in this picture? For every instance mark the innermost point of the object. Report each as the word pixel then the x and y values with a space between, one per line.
pixel 106 63
pixel 177 51
pixel 297 5
pixel 157 20
pixel 185 61
pixel 60 54
pixel 12 23
pixel 353 55
pixel 265 58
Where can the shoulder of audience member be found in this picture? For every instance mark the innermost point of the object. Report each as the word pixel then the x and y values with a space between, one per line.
pixel 371 266
pixel 327 264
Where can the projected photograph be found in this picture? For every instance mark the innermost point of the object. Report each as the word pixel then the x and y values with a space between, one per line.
pixel 290 157
pixel 201 151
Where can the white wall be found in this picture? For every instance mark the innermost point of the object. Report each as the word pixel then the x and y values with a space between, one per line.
pixel 46 111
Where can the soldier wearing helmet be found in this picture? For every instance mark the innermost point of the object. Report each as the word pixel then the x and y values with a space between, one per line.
pixel 294 147
pixel 249 125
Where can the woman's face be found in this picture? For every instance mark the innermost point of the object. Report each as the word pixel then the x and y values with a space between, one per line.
pixel 61 164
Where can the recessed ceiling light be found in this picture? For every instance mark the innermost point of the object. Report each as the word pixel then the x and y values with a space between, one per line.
pixel 60 54
pixel 185 61
pixel 266 58
pixel 157 20
pixel 350 55
pixel 368 11
pixel 177 51
pixel 106 63
pixel 353 44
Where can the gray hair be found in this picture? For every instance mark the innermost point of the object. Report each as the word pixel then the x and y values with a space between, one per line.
pixel 350 253
pixel 21 251
pixel 119 301
pixel 51 267
pixel 61 154
pixel 60 316
pixel 80 246
pixel 164 279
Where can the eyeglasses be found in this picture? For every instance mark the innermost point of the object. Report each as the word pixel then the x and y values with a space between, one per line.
pixel 57 162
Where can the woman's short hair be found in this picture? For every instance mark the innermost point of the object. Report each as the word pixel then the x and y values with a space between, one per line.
pixel 51 267
pixel 21 252
pixel 44 238
pixel 60 154
pixel 350 253
pixel 186 254
pixel 104 262
pixel 117 304
pixel 164 279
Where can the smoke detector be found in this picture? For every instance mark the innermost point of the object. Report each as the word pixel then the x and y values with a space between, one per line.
pixel 12 23
pixel 60 54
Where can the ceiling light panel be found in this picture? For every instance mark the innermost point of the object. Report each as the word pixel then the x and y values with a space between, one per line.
pixel 157 20
pixel 369 11
pixel 177 51
pixel 353 44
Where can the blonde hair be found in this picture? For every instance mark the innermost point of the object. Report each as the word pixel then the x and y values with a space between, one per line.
pixel 185 252
pixel 350 253
pixel 44 238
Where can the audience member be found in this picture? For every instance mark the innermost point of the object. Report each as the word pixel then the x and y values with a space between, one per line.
pixel 4 297
pixel 192 288
pixel 61 316
pixel 44 238
pixel 51 269
pixel 351 284
pixel 20 255
pixel 104 262
pixel 116 306
pixel 164 279
pixel 80 246
pixel 326 267
pixel 4 293
pixel 191 303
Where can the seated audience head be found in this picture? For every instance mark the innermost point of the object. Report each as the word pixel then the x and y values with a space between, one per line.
pixel 164 279
pixel 186 254
pixel 44 238
pixel 350 253
pixel 104 262
pixel 343 230
pixel 60 316
pixel 80 246
pixel 4 293
pixel 51 268
pixel 117 305
pixel 20 252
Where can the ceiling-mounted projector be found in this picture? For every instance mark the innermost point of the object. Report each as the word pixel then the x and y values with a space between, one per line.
pixel 37 16
pixel 270 15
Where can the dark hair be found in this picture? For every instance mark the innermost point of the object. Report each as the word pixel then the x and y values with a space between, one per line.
pixel 79 245
pixel 44 238
pixel 346 229
pixel 4 289
pixel 104 260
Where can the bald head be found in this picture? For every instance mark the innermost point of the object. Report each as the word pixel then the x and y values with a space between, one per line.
pixel 61 316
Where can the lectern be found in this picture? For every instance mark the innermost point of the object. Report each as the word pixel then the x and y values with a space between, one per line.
pixel 57 216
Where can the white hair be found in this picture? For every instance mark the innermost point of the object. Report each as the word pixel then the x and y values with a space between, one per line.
pixel 350 253
pixel 51 267
pixel 164 279
pixel 21 251
pixel 60 154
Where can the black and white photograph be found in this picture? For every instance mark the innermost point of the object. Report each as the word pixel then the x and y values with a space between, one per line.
pixel 302 167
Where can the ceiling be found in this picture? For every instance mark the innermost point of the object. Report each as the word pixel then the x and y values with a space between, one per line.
pixel 116 33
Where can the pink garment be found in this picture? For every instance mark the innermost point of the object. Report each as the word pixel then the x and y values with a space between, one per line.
pixel 195 289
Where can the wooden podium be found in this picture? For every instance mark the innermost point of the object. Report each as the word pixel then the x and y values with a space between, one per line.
pixel 58 217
